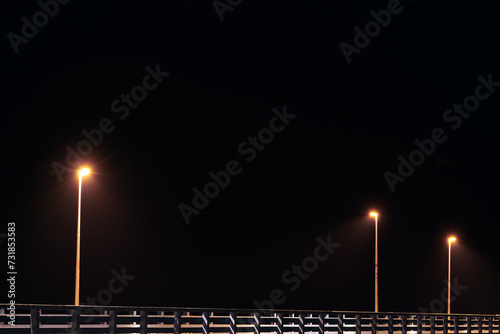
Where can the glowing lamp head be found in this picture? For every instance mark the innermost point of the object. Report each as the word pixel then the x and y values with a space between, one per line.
pixel 451 239
pixel 374 214
pixel 84 171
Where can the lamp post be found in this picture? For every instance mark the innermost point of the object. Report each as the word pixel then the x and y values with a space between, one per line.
pixel 81 173
pixel 375 214
pixel 450 240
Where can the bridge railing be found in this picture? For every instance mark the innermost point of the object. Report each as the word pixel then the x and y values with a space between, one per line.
pixel 55 319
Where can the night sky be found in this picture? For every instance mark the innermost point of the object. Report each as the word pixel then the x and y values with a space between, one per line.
pixel 292 120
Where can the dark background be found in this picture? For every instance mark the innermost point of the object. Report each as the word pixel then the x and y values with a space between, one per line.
pixel 320 176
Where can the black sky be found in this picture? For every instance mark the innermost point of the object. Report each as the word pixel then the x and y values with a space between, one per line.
pixel 318 177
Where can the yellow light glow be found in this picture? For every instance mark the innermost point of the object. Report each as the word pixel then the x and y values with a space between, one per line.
pixel 451 239
pixel 84 171
pixel 374 214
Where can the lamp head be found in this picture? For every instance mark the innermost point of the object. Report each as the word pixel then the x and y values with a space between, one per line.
pixel 374 214
pixel 84 171
pixel 451 239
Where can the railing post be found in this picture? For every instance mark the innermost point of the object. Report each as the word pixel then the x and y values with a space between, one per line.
pixel 34 321
pixel 445 325
pixel 479 324
pixel 232 323
pixel 419 324
pixel 455 324
pixel 490 325
pixel 143 321
pixel 433 325
pixel 301 323
pixel 340 323
pixel 112 322
pixel 358 323
pixel 469 329
pixel 390 324
pixel 321 324
pixel 279 320
pixel 177 323
pixel 256 323
pixel 206 323
pixel 403 324
pixel 374 323
pixel 75 321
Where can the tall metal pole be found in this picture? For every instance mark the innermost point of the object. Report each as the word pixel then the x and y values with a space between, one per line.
pixel 449 275
pixel 376 264
pixel 77 276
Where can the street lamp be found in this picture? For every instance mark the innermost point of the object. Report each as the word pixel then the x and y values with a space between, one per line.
pixel 81 173
pixel 375 214
pixel 450 240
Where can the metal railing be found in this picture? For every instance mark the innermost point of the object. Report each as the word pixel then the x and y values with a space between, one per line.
pixel 45 319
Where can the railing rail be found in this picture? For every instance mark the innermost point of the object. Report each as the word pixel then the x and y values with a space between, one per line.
pixel 64 319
